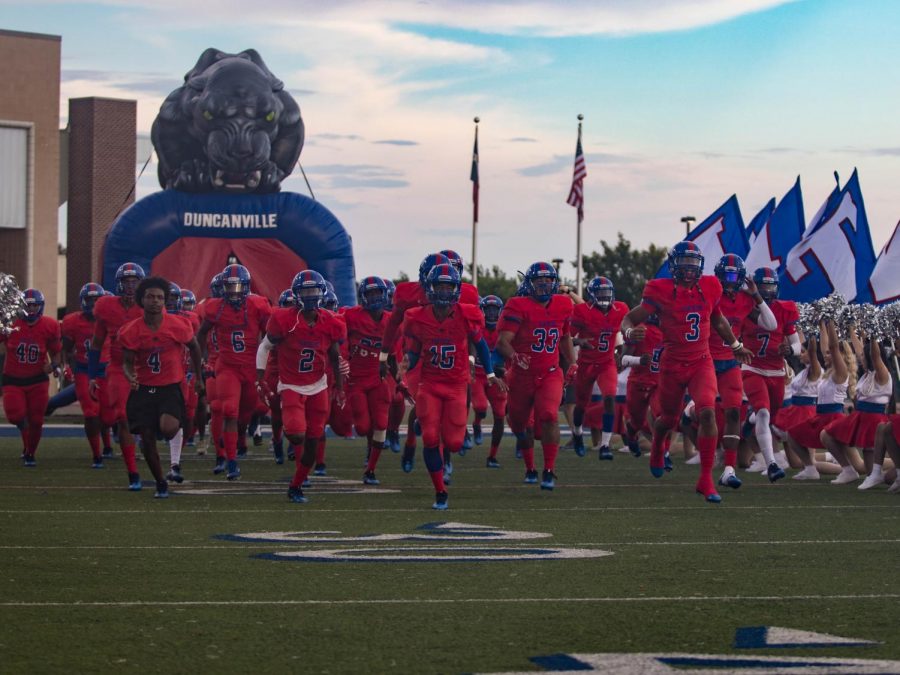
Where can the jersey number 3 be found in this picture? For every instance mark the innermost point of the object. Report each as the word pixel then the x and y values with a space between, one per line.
pixel 546 340
pixel 693 333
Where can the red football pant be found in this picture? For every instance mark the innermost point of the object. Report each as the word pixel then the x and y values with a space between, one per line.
pixel 484 395
pixel 442 412
pixel 697 377
pixel 304 415
pixel 764 393
pixel 91 407
pixel 731 387
pixel 21 404
pixel 236 390
pixel 537 393
pixel 118 389
pixel 604 374
pixel 370 402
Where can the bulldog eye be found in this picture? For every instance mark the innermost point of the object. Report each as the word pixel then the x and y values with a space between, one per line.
pixel 271 116
pixel 207 115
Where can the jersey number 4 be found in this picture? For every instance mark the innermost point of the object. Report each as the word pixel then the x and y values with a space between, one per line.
pixel 154 363
pixel 28 353
pixel 546 340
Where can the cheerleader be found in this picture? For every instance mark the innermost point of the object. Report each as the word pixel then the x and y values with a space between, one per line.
pixel 804 437
pixel 803 393
pixel 857 430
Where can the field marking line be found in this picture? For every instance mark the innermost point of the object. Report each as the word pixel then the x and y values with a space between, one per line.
pixel 443 601
pixel 228 546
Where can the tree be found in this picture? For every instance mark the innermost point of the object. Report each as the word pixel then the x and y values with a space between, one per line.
pixel 629 269
pixel 495 282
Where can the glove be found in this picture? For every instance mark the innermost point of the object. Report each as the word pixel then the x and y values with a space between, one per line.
pixel 521 360
pixel 571 373
pixel 343 366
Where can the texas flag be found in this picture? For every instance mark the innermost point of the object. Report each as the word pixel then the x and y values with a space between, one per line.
pixel 780 233
pixel 722 232
pixel 884 284
pixel 835 253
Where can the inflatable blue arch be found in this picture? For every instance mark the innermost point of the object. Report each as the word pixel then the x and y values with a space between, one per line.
pixel 187 238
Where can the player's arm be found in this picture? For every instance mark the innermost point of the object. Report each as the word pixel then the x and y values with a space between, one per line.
pixel 390 334
pixel 566 352
pixel 632 323
pixel 203 333
pixel 97 340
pixel 723 328
pixel 128 367
pixel 334 356
pixel 196 362
pixel 66 355
pixel 762 313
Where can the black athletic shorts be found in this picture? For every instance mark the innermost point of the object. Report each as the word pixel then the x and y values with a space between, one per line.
pixel 147 404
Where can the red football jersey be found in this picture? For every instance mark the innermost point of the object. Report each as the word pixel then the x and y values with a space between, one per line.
pixel 303 349
pixel 735 310
pixel 27 346
pixel 538 329
pixel 238 330
pixel 599 329
pixel 364 342
pixel 683 314
pixel 765 344
pixel 443 345
pixel 158 354
pixel 651 344
pixel 468 294
pixel 212 347
pixel 79 329
pixel 111 314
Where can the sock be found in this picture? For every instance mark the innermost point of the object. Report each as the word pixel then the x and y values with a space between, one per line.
pixel 277 433
pixel 706 446
pixel 657 448
pixel 609 420
pixel 764 435
pixel 731 458
pixel 377 447
pixel 175 445
pixel 231 440
pixel 877 471
pixel 94 442
pixel 301 473
pixel 528 458
pixel 320 451
pixel 128 458
pixel 758 458
pixel 242 437
pixel 35 431
pixel 216 431
pixel 494 450
pixel 435 466
pixel 550 452
pixel 105 435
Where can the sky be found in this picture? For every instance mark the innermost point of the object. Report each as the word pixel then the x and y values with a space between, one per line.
pixel 685 102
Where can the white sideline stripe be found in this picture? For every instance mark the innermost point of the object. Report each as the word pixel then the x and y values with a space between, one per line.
pixel 704 507
pixel 228 546
pixel 444 601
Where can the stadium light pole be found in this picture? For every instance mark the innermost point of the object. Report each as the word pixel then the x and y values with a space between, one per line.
pixel 556 263
pixel 688 223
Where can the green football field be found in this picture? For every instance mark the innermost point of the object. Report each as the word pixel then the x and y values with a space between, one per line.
pixel 231 577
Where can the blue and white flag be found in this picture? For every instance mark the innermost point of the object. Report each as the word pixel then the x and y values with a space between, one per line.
pixel 884 284
pixel 722 232
pixel 759 221
pixel 835 253
pixel 780 234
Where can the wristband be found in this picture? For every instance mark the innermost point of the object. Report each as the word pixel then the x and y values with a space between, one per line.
pixel 737 344
pixel 382 357
pixel 628 333
pixel 471 359
pixel 492 376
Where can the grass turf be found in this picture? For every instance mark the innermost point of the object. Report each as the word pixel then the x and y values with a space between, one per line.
pixel 683 575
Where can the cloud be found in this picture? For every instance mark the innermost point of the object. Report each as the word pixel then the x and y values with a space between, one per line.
pixel 396 142
pixel 343 176
pixel 339 137
pixel 887 151
pixel 559 162
pixel 149 84
pixel 522 139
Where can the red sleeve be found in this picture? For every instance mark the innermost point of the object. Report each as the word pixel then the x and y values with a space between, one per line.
pixel 652 297
pixel 185 332
pixel 265 311
pixel 512 316
pixel 791 316
pixel 474 321
pixel 339 331
pixel 53 341
pixel 128 336
pixel 273 327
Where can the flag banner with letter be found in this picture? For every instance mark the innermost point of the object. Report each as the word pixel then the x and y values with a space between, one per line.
pixel 884 284
pixel 835 254
pixel 759 221
pixel 780 234
pixel 722 232
pixel 576 193
pixel 476 182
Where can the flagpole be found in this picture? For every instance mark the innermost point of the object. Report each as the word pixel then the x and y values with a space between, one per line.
pixel 580 216
pixel 475 197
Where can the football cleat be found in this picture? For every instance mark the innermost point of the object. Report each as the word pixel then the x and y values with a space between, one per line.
pixel 202 446
pixel 417 427
pixel 634 447
pixel 257 439
pixel 369 478
pixel 578 445
pixel 291 453
pixel 518 452
pixel 134 482
pixel 242 452
pixel 667 462
pixel 320 470
pixel 98 463
pixel 408 460
pixel 548 480
pixel 174 475
pixel 440 501
pixel 492 463
pixel 531 477
pixel 393 440
pixel 107 451
pixel 295 495
pixel 728 479
pixel 234 471
pixel 466 445
pixel 713 497
pixel 28 461
pixel 477 435
pixel 220 466
pixel 278 453
pixel 774 472
pixel 306 483
pixel 605 454
pixel 162 490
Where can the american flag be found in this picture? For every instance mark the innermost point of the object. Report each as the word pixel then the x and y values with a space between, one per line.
pixel 474 178
pixel 576 194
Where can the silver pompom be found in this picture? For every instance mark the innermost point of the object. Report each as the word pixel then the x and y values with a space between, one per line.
pixel 807 323
pixel 12 303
